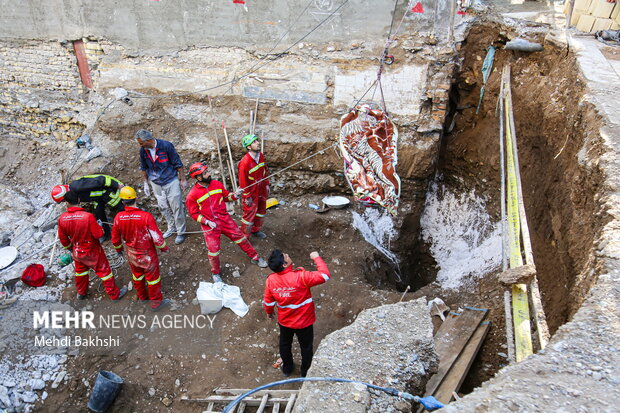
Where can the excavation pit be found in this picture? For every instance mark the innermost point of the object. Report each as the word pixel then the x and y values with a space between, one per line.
pixel 558 137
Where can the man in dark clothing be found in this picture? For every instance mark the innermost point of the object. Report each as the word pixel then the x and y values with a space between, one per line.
pixel 100 189
pixel 162 165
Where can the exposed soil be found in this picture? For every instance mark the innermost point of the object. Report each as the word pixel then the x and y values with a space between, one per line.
pixel 552 127
pixel 242 354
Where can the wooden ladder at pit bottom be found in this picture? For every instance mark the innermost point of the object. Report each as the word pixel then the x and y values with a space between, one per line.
pixel 275 399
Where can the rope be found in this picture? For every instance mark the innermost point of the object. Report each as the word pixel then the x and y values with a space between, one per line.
pixel 388 42
pixel 429 402
pixel 290 166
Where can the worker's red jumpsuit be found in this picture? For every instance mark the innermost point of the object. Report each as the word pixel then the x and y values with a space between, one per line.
pixel 79 232
pixel 209 204
pixel 289 290
pixel 251 172
pixel 142 239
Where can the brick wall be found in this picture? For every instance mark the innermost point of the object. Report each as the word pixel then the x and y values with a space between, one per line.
pixel 40 90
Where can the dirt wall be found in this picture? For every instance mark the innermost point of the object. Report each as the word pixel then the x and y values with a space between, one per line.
pixel 556 131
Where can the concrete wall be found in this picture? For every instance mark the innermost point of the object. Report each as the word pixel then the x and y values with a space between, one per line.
pixel 168 25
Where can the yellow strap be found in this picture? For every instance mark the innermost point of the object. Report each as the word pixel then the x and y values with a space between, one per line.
pixel 138 278
pixel 153 282
pixel 214 254
pixel 239 241
pixel 119 246
pixel 81 274
pixel 520 306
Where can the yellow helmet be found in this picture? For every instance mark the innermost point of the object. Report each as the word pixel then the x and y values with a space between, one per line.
pixel 128 192
pixel 271 202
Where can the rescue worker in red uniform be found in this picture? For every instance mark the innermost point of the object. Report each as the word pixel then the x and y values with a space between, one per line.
pixel 252 179
pixel 288 289
pixel 206 204
pixel 142 238
pixel 79 232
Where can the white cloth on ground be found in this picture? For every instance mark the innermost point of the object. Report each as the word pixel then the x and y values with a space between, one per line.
pixel 229 295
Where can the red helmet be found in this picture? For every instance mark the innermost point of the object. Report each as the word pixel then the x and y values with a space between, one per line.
pixel 59 192
pixel 197 169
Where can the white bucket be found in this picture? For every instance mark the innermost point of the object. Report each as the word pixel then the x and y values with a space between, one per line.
pixel 7 256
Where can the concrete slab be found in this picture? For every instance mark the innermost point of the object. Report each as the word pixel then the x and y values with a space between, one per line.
pixel 389 346
pixel 403 87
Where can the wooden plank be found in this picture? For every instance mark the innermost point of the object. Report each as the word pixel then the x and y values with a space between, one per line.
pixel 446 325
pixel 241 407
pixel 451 343
pixel 276 408
pixel 453 380
pixel 263 403
pixel 290 403
pixel 210 407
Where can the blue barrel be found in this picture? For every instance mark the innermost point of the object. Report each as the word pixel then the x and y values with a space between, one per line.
pixel 107 387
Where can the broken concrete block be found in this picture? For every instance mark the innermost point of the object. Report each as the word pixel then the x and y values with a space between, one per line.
pixel 519 275
pixel 389 351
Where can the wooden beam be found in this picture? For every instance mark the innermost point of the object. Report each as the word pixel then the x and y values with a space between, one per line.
pixel 290 403
pixel 453 380
pixel 263 403
pixel 451 342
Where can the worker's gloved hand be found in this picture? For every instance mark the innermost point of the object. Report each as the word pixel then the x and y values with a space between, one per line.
pixel 147 189
pixel 183 184
pixel 238 192
pixel 314 255
pixel 211 224
pixel 248 201
pixel 100 223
